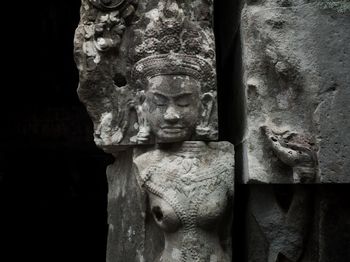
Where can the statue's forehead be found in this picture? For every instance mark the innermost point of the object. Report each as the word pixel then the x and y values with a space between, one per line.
pixel 173 84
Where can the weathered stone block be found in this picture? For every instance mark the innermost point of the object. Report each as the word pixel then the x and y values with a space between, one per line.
pixel 297 84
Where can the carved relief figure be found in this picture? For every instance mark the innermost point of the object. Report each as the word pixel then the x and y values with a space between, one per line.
pixel 189 184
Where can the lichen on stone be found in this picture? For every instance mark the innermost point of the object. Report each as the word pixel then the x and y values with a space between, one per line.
pixel 340 6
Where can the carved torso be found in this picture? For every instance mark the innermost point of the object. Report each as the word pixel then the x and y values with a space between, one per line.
pixel 190 190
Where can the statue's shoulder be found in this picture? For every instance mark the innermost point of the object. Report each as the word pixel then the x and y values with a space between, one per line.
pixel 147 163
pixel 223 152
pixel 146 158
pixel 224 162
pixel 222 146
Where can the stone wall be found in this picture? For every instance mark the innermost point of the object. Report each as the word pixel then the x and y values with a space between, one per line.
pixel 53 183
pixel 295 74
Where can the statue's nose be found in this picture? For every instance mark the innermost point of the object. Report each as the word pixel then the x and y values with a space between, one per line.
pixel 171 114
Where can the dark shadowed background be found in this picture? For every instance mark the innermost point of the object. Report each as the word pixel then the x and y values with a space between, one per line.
pixel 52 177
pixel 53 188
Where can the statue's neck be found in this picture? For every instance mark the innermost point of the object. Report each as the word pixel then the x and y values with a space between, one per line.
pixel 186 148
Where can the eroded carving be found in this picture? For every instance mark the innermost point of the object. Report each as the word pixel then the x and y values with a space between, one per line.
pixel 291 81
pixel 118 74
pixel 99 48
pixel 296 151
pixel 190 190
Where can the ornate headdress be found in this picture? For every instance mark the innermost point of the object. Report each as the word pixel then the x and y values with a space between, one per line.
pixel 171 44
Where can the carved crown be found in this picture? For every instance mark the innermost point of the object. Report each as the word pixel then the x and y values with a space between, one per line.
pixel 171 44
pixel 180 64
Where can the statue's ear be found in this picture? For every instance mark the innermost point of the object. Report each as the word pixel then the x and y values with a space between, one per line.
pixel 208 103
pixel 140 95
pixel 144 130
pixel 203 128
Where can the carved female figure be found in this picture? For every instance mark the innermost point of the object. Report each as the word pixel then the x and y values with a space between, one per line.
pixel 189 184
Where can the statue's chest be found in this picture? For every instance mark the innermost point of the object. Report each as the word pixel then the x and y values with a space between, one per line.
pixel 184 191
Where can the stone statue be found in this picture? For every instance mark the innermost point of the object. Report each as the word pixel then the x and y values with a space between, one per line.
pixel 189 184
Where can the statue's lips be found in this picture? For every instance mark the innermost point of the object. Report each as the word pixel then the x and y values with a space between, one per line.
pixel 172 129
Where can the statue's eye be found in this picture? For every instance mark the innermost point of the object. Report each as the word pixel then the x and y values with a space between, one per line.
pixel 160 100
pixel 183 101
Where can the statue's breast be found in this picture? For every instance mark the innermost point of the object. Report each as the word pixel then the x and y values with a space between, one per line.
pixel 211 210
pixel 190 190
pixel 202 204
pixel 164 214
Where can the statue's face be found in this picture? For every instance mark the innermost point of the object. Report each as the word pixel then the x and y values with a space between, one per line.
pixel 172 107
